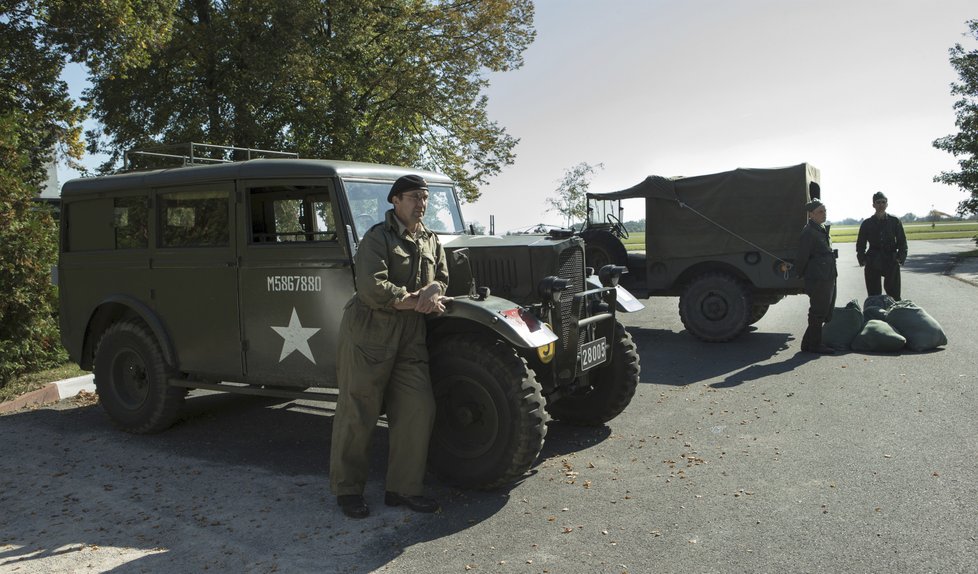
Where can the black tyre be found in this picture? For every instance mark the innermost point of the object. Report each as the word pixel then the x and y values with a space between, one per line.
pixel 757 312
pixel 715 307
pixel 131 380
pixel 603 248
pixel 611 388
pixel 491 418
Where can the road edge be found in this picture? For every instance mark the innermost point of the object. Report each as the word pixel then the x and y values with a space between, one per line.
pixel 50 393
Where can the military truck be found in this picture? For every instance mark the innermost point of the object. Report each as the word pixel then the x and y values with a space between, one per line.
pixel 233 278
pixel 724 243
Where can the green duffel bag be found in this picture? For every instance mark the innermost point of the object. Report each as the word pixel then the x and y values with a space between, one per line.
pixel 877 306
pixel 846 323
pixel 878 336
pixel 923 333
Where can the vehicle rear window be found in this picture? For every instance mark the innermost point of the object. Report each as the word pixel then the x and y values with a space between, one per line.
pixel 131 222
pixel 195 218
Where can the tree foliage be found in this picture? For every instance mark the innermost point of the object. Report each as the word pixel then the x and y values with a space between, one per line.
pixel 389 81
pixel 964 144
pixel 38 121
pixel 570 200
pixel 28 247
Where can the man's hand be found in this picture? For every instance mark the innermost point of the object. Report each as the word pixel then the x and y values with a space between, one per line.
pixel 408 303
pixel 430 299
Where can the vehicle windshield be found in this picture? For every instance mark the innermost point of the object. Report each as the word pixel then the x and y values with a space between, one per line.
pixel 368 203
pixel 600 209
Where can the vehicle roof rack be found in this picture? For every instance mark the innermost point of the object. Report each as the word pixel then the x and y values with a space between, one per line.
pixel 187 154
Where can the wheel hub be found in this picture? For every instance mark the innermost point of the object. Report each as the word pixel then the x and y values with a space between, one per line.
pixel 714 307
pixel 467 426
pixel 132 386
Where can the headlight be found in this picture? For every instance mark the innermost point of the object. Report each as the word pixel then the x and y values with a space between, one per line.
pixel 551 286
pixel 610 274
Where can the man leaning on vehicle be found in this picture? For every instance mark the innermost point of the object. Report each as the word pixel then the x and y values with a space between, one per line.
pixel 382 362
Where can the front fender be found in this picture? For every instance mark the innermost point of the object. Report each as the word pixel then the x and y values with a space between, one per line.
pixel 625 302
pixel 513 323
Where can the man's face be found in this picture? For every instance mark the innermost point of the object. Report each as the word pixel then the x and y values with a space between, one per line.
pixel 410 206
pixel 879 205
pixel 818 214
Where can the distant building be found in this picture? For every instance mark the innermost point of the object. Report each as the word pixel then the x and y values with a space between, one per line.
pixel 51 189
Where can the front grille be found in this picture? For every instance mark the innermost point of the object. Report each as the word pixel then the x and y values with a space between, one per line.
pixel 498 274
pixel 571 267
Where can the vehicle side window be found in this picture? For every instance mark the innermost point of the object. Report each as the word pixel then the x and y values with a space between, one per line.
pixel 289 214
pixel 194 218
pixel 131 222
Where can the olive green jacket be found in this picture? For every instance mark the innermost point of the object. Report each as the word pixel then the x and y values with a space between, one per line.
pixel 816 259
pixel 390 264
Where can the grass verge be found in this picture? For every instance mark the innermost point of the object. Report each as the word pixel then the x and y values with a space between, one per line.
pixel 32 381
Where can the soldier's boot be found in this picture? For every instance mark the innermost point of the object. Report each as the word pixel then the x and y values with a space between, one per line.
pixel 813 336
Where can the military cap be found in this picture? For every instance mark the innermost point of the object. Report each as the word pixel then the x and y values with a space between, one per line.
pixel 406 183
pixel 878 196
pixel 813 204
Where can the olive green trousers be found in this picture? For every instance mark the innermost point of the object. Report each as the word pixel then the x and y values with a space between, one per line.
pixel 382 363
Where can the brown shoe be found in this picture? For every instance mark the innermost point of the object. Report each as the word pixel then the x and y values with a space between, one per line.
pixel 415 503
pixel 353 505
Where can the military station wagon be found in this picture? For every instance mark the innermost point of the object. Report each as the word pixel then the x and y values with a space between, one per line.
pixel 233 277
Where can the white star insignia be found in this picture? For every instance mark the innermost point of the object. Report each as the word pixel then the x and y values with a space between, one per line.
pixel 296 338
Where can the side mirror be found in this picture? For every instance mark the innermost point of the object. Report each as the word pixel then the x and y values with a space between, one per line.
pixel 460 278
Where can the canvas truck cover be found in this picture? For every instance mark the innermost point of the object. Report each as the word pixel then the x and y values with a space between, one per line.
pixel 720 213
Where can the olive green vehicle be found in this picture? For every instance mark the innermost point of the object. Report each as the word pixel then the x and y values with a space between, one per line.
pixel 724 243
pixel 233 277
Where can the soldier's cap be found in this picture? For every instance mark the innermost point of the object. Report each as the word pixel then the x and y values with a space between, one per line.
pixel 813 204
pixel 406 183
pixel 878 196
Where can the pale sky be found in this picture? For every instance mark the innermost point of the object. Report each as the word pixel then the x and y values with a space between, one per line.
pixel 858 88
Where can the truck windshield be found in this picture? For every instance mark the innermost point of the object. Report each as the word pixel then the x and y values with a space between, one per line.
pixel 368 203
pixel 600 209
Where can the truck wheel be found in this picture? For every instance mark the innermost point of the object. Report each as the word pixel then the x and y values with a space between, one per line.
pixel 490 420
pixel 611 388
pixel 715 307
pixel 603 248
pixel 757 312
pixel 131 380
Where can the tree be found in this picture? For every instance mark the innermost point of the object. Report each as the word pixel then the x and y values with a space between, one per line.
pixel 39 120
pixel 570 200
pixel 964 144
pixel 28 249
pixel 392 81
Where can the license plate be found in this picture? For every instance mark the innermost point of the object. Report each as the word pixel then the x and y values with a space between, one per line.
pixel 593 354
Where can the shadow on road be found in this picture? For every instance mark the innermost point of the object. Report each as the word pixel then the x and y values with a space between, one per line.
pixel 237 476
pixel 670 358
pixel 755 372
pixel 933 263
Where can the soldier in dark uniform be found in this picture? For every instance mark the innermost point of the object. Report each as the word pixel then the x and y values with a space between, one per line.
pixel 382 361
pixel 816 264
pixel 887 249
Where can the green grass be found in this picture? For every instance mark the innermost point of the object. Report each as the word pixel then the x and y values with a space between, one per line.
pixel 848 233
pixel 941 230
pixel 33 381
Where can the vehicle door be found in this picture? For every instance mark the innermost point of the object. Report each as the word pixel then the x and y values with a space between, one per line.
pixel 194 277
pixel 295 277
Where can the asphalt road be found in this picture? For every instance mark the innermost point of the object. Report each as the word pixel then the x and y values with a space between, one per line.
pixel 745 457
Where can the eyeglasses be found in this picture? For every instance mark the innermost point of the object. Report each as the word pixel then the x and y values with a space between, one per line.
pixel 418 197
pixel 880 202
